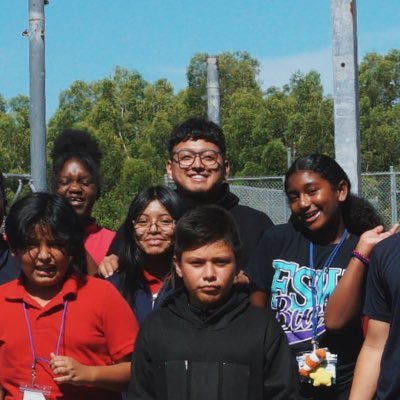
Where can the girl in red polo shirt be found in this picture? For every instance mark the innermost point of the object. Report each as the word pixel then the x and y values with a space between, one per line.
pixel 144 248
pixel 63 335
pixel 76 176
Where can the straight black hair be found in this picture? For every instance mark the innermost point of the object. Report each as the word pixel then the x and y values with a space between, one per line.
pixel 55 213
pixel 358 214
pixel 206 225
pixel 132 258
pixel 195 129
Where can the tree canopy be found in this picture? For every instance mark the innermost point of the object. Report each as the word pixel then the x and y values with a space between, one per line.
pixel 132 119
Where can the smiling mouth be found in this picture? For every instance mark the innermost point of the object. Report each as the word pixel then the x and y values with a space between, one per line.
pixel 46 271
pixel 76 201
pixel 310 216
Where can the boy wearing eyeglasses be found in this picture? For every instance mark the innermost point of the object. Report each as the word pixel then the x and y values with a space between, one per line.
pixel 199 168
pixel 208 341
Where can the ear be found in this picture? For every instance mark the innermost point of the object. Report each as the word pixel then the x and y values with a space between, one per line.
pixel 168 169
pixel 227 168
pixel 177 265
pixel 343 191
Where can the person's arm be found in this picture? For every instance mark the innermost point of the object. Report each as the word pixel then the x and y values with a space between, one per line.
pixel 111 377
pixel 108 266
pixel 259 298
pixel 368 362
pixel 280 369
pixel 142 382
pixel 346 301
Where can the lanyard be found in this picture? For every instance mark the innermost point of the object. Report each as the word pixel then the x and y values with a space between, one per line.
pixel 36 358
pixel 314 291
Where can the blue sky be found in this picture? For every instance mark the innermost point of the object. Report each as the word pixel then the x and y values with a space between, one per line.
pixel 86 40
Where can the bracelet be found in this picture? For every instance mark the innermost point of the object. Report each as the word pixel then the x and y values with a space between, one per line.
pixel 360 257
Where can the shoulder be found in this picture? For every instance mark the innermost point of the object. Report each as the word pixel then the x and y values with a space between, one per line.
pixel 98 287
pixel 10 288
pixel 240 211
pixel 282 233
pixel 386 253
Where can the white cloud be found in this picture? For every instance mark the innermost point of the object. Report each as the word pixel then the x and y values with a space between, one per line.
pixel 277 71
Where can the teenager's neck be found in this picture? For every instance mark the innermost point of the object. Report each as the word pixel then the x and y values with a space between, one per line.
pixel 43 294
pixel 158 266
pixel 199 198
pixel 328 235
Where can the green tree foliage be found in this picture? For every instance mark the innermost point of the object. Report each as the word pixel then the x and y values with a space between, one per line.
pixel 380 110
pixel 132 120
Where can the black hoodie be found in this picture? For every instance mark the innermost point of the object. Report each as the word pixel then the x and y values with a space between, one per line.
pixel 235 352
pixel 251 222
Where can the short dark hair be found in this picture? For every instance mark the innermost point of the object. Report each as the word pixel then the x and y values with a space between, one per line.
pixel 79 144
pixel 205 225
pixel 52 211
pixel 195 129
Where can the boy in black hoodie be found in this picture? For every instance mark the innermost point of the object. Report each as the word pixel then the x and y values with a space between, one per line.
pixel 208 342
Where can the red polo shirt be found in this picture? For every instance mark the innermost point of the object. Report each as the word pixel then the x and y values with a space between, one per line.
pixel 100 329
pixel 98 241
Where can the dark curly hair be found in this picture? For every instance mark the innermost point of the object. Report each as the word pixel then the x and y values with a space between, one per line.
pixel 77 144
pixel 195 129
pixel 359 215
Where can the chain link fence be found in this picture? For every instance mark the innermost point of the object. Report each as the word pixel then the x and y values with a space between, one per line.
pixel 267 194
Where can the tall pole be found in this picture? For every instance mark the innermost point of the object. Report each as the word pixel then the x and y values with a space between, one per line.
pixel 345 89
pixel 37 113
pixel 213 89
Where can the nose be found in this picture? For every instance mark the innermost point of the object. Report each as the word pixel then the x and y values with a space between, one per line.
pixel 209 272
pixel 197 163
pixel 153 228
pixel 304 200
pixel 74 186
pixel 43 252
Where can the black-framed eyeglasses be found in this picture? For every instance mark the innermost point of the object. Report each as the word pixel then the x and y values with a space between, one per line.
pixel 186 158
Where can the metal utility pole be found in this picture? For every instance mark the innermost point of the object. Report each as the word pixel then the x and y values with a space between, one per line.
pixel 345 89
pixel 213 89
pixel 37 111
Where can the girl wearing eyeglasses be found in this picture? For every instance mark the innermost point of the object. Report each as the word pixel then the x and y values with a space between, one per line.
pixel 145 244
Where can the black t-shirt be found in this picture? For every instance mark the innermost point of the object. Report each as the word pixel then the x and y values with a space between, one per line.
pixel 280 267
pixel 382 303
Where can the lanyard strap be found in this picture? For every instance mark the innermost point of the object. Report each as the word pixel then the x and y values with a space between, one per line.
pixel 314 291
pixel 36 358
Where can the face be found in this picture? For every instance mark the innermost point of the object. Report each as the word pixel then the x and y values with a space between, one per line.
pixel 78 186
pixel 45 262
pixel 208 273
pixel 313 200
pixel 154 229
pixel 197 178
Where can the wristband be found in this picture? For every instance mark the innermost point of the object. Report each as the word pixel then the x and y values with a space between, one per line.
pixel 360 257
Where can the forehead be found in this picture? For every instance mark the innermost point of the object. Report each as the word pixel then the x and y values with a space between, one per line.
pixel 155 207
pixel 41 232
pixel 74 166
pixel 195 145
pixel 220 248
pixel 303 178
